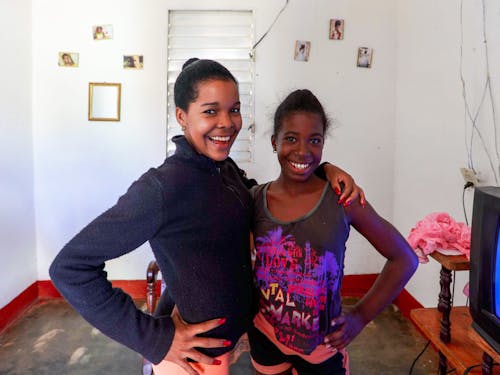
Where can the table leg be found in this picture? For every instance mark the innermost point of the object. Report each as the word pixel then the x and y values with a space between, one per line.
pixel 487 366
pixel 443 366
pixel 444 305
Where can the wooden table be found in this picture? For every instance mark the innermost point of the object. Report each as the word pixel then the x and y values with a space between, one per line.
pixel 462 352
pixel 448 263
pixel 490 355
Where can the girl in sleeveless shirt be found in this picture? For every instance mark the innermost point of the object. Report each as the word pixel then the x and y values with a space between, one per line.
pixel 300 234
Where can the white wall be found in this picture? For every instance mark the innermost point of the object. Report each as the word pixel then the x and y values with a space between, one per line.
pixel 399 127
pixel 82 167
pixel 17 229
pixel 431 128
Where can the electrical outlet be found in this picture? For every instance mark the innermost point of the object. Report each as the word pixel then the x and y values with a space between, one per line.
pixel 469 175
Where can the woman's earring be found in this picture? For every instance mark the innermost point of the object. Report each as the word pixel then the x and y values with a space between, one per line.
pixel 183 128
pixel 274 150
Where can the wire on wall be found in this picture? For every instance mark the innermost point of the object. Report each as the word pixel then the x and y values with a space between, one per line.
pixel 490 86
pixel 472 116
pixel 466 186
pixel 269 29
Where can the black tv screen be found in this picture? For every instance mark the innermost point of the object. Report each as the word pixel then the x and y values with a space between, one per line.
pixel 484 286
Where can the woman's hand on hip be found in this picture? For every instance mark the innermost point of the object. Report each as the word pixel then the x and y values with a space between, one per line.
pixel 186 339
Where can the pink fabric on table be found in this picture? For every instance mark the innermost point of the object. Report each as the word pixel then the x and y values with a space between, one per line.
pixel 439 230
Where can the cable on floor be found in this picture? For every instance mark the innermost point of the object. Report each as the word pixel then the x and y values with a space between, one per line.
pixel 418 356
pixel 468 369
pixel 453 289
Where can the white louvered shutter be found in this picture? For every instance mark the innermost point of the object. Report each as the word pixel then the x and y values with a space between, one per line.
pixel 224 36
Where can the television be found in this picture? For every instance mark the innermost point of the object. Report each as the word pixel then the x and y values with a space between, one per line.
pixel 484 283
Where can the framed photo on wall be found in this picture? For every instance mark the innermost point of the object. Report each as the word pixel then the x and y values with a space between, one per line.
pixel 102 32
pixel 336 29
pixel 365 55
pixel 302 50
pixel 133 61
pixel 68 59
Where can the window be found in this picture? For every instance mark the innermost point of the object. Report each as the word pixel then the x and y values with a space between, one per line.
pixel 224 36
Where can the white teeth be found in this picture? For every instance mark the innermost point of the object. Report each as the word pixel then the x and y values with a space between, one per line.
pixel 299 165
pixel 221 139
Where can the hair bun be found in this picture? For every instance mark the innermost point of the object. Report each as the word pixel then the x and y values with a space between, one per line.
pixel 189 62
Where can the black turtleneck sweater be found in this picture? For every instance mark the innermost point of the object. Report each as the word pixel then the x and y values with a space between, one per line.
pixel 196 214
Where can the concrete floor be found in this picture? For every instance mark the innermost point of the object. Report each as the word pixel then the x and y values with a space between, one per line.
pixel 52 339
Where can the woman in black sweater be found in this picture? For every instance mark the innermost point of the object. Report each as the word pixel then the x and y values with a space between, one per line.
pixel 195 211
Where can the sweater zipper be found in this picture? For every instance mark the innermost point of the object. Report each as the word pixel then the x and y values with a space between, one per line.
pixel 235 193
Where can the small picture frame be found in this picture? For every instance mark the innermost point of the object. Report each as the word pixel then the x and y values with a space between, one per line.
pixel 104 101
pixel 336 29
pixel 133 62
pixel 365 55
pixel 68 59
pixel 302 50
pixel 102 32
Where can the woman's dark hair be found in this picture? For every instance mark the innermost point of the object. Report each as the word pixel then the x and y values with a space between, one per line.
pixel 195 71
pixel 299 101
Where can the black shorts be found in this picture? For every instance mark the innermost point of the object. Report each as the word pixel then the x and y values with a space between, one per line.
pixel 265 353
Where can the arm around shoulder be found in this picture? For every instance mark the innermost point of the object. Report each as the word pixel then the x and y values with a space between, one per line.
pixel 342 183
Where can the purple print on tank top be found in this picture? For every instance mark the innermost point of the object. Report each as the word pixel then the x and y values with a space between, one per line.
pixel 294 282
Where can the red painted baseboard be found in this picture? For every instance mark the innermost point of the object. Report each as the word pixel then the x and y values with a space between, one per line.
pixel 44 289
pixel 352 286
pixel 14 309
pixel 47 290
pixel 357 285
pixel 405 302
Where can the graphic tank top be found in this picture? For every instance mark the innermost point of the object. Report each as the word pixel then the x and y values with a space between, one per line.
pixel 299 268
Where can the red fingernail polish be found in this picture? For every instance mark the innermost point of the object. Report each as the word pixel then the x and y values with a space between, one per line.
pixel 216 362
pixel 222 321
pixel 340 201
pixel 347 203
pixel 337 191
pixel 226 343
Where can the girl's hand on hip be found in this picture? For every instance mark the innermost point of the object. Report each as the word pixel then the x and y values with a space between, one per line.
pixel 186 340
pixel 348 327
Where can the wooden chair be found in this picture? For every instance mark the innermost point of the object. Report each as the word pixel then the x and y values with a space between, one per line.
pixel 151 288
pixel 151 301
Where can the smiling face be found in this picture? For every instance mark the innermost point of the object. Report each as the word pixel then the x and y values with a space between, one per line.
pixel 213 120
pixel 136 60
pixel 67 59
pixel 299 145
